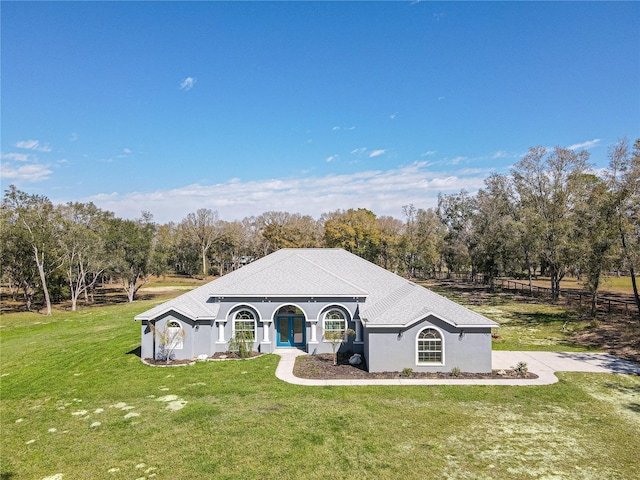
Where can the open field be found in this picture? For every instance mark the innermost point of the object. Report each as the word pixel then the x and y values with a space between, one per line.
pixel 77 401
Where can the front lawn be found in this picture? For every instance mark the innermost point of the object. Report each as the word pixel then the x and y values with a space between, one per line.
pixel 77 401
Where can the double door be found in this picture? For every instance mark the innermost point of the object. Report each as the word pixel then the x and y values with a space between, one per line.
pixel 290 331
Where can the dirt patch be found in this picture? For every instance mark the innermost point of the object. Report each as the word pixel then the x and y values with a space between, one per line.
pixel 321 367
pixel 619 337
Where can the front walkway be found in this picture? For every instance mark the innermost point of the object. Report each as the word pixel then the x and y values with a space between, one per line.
pixel 543 364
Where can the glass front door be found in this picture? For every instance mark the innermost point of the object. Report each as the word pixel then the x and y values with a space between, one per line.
pixel 291 331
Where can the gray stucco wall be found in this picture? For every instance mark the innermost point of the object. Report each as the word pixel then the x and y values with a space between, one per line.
pixel 203 337
pixel 384 349
pixel 396 349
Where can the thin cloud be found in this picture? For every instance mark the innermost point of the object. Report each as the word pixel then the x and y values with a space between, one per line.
pixel 382 191
pixel 584 145
pixel 358 151
pixel 33 145
pixel 377 153
pixel 126 151
pixel 18 157
pixel 428 153
pixel 335 129
pixel 332 158
pixel 187 84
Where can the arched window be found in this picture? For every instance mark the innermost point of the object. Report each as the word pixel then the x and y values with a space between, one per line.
pixel 429 346
pixel 334 322
pixel 245 321
pixel 175 336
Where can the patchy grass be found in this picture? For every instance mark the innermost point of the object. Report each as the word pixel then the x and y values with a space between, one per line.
pixel 77 403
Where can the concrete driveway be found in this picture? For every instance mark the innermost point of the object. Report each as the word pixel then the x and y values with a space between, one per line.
pixel 543 364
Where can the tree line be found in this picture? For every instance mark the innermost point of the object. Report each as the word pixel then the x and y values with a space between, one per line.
pixel 553 215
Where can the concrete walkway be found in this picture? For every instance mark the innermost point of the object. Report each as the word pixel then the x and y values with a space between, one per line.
pixel 543 364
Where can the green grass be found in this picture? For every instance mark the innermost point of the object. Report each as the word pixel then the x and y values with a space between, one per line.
pixel 65 373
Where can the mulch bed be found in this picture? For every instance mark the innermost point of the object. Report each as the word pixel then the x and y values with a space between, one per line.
pixel 321 367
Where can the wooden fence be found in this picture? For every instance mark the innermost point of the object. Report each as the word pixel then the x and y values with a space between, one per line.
pixel 606 304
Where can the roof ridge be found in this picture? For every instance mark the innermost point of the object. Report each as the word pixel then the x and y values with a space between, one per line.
pixel 333 274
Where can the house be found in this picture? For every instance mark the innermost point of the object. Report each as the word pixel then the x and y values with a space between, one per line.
pixel 289 298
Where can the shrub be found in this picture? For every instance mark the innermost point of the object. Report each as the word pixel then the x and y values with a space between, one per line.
pixel 455 372
pixel 241 343
pixel 406 372
pixel 521 369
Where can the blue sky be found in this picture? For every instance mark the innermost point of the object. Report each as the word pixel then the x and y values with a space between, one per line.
pixel 304 106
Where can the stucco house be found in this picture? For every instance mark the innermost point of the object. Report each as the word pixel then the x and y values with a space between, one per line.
pixel 289 298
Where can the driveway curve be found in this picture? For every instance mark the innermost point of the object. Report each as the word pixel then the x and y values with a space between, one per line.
pixel 543 364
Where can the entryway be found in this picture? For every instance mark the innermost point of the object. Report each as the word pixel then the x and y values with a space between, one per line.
pixel 290 331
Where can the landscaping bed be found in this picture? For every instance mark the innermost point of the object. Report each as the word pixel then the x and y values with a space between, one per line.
pixel 321 367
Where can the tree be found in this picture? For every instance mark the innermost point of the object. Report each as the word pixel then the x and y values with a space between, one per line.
pixel 202 228
pixel 32 218
pixel 81 242
pixel 335 338
pixel 455 212
pixel 623 178
pixel 129 243
pixel 354 230
pixel 549 187
pixel 169 338
pixel 493 229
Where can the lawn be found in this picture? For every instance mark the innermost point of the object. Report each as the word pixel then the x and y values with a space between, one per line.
pixel 76 402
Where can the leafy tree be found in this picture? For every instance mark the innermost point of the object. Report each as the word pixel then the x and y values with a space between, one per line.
pixel 129 244
pixel 81 243
pixel 390 240
pixel 455 212
pixel 549 187
pixel 623 178
pixel 493 229
pixel 32 219
pixel 354 230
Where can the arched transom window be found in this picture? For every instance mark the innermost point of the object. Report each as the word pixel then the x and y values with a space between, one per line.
pixel 429 346
pixel 335 322
pixel 245 321
pixel 175 336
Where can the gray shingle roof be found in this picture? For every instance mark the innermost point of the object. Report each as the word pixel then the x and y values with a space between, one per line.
pixel 389 300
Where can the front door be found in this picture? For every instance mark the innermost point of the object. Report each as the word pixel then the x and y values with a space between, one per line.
pixel 291 331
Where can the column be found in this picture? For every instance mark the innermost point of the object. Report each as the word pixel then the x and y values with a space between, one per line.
pixel 358 338
pixel 220 332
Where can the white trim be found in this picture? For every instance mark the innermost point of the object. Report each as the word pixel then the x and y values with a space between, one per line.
pixel 442 351
pixel 284 304
pixel 328 310
pixel 411 323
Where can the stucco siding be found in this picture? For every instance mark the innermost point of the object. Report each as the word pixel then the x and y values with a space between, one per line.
pixel 396 349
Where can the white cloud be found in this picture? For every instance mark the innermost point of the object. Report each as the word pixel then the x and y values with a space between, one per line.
pixel 29 173
pixel 588 144
pixel 331 158
pixel 376 153
pixel 33 145
pixel 18 157
pixel 187 84
pixel 335 128
pixel 382 191
pixel 393 115
pixel 358 151
pixel 126 151
pixel 428 153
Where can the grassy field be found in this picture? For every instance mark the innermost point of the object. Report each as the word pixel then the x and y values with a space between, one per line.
pixel 77 403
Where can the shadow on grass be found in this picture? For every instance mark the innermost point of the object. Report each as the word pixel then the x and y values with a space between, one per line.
pixel 136 351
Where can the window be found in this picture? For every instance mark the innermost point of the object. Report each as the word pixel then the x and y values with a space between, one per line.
pixel 334 322
pixel 245 321
pixel 429 346
pixel 175 336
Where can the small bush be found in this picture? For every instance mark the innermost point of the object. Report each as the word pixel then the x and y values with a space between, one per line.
pixel 455 372
pixel 406 372
pixel 521 369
